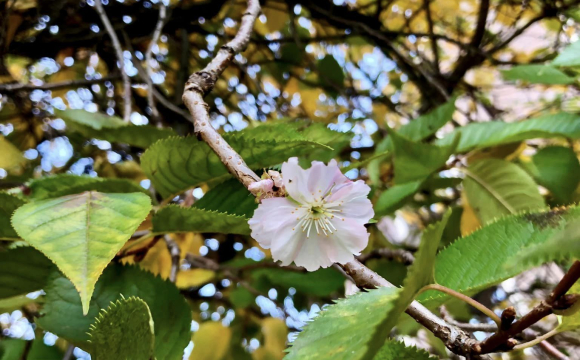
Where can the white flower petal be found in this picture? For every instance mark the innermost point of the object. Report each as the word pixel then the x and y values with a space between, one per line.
pixel 271 215
pixel 355 203
pixel 313 255
pixel 350 235
pixel 321 178
pixel 296 181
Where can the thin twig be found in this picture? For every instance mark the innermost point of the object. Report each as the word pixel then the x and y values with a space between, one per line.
pixel 537 340
pixel 556 300
pixel 476 304
pixel 149 60
pixel 14 87
pixel 466 326
pixel 552 351
pixel 175 256
pixel 119 51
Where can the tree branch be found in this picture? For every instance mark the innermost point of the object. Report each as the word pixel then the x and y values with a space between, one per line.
pixel 556 300
pixel 174 252
pixel 148 60
pixel 14 87
pixel 119 51
pixel 202 82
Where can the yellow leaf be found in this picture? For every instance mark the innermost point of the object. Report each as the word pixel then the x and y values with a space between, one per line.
pixel 310 101
pixel 157 260
pixel 193 278
pixel 507 151
pixel 211 341
pixel 276 18
pixel 11 159
pixel 469 220
pixel 275 335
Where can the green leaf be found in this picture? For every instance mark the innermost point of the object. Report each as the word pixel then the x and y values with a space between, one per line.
pixel 124 329
pixel 497 187
pixel 343 330
pixel 322 282
pixel 320 133
pixel 176 219
pixel 8 204
pixel 176 164
pixel 12 349
pixel 63 316
pixel 428 124
pixel 538 74
pixel 22 270
pixel 395 196
pixel 68 184
pixel 40 351
pixel 415 161
pixel 487 134
pixel 110 128
pixel 395 350
pixel 562 245
pixel 231 197
pixel 478 261
pixel 558 170
pixel 15 303
pixel 82 233
pixel 416 130
pixel 331 74
pixel 570 56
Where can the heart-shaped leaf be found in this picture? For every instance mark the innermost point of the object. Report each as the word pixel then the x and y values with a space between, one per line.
pixel 82 233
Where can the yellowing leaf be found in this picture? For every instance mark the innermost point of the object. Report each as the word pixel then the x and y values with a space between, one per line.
pixel 211 341
pixel 193 278
pixel 157 260
pixel 11 159
pixel 276 18
pixel 81 233
pixel 469 221
pixel 275 335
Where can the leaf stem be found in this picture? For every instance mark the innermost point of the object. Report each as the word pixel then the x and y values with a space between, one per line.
pixel 537 340
pixel 476 304
pixel 138 241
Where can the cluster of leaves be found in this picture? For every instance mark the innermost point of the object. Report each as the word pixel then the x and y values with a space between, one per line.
pixel 499 195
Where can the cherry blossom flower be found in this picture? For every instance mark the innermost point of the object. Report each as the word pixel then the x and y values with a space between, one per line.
pixel 320 221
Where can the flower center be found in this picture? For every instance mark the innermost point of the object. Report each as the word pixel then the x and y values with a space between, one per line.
pixel 318 215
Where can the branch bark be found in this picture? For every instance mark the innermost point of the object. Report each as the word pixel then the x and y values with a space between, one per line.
pixel 202 82
pixel 119 52
pixel 556 300
pixel 14 87
pixel 149 58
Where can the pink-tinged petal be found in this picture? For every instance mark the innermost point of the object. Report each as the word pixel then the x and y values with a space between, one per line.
pixel 271 215
pixel 287 243
pixel 350 235
pixel 321 178
pixel 296 181
pixel 352 201
pixel 312 254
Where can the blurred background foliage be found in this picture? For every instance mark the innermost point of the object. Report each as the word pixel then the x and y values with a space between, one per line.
pixel 358 67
